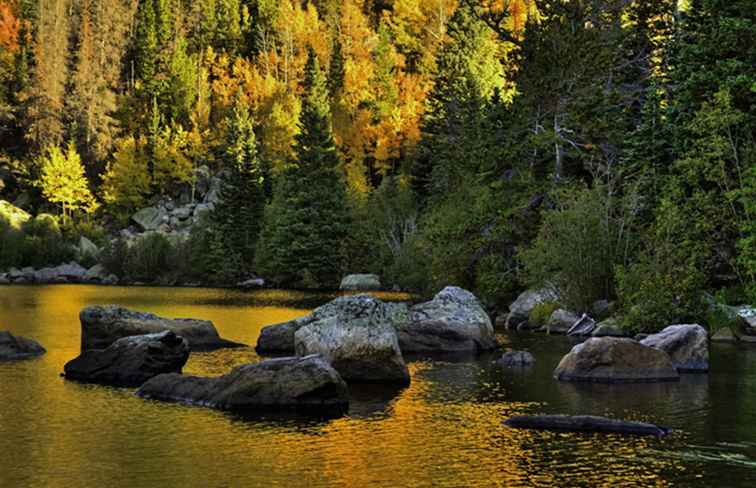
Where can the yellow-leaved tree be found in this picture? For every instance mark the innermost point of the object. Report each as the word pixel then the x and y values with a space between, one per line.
pixel 63 182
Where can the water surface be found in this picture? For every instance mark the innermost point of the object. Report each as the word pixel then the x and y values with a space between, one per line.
pixel 444 430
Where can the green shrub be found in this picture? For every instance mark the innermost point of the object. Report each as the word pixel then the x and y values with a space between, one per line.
pixel 149 258
pixel 114 257
pixel 541 313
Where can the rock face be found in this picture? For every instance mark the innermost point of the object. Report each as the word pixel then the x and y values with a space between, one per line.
pixel 561 321
pixel 12 347
pixel 516 359
pixel 585 423
pixel 360 282
pixel 279 338
pixel 130 361
pixel 103 325
pixel 615 360
pixel 361 350
pixel 454 321
pixel 686 344
pixel 149 218
pixel 284 383
pixel 520 309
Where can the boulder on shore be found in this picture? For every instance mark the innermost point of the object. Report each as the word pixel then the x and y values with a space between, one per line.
pixel 103 325
pixel 361 350
pixel 130 361
pixel 687 345
pixel 454 321
pixel 615 360
pixel 585 423
pixel 583 327
pixel 279 338
pixel 516 359
pixel 561 321
pixel 746 320
pixel 608 328
pixel 283 383
pixel 360 282
pixel 519 310
pixel 14 347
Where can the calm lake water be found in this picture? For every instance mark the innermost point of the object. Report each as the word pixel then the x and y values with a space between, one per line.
pixel 444 430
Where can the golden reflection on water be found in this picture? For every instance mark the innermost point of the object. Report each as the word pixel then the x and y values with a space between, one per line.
pixel 444 430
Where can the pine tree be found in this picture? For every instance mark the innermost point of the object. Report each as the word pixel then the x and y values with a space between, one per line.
pixel 238 217
pixel 306 221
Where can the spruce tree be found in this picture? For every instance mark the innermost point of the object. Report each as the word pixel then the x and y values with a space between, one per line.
pixel 306 221
pixel 239 214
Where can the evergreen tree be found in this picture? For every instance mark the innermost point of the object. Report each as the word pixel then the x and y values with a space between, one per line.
pixel 239 214
pixel 306 221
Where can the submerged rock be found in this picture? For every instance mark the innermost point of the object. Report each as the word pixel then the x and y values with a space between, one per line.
pixel 284 383
pixel 361 282
pixel 14 347
pixel 454 321
pixel 615 360
pixel 362 350
pixel 585 423
pixel 516 359
pixel 687 346
pixel 130 361
pixel 103 325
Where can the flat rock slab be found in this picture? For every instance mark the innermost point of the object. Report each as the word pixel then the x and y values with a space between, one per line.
pixel 615 360
pixel 307 383
pixel 585 423
pixel 101 326
pixel 130 361
pixel 13 347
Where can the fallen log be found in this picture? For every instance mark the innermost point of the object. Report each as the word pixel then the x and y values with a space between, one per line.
pixel 585 423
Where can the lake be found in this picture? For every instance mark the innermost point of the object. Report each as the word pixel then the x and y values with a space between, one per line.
pixel 444 430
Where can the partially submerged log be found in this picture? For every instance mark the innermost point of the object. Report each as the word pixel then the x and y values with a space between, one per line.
pixel 585 423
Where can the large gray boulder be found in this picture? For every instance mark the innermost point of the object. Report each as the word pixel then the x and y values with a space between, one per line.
pixel 454 321
pixel 519 310
pixel 686 344
pixel 608 328
pixel 615 360
pixel 130 361
pixel 13 347
pixel 362 349
pixel 360 282
pixel 103 325
pixel 149 218
pixel 561 321
pixel 284 383
pixel 746 320
pixel 279 338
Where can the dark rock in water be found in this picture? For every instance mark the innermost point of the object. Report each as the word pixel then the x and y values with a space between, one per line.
pixel 454 321
pixel 687 345
pixel 130 361
pixel 12 347
pixel 585 423
pixel 515 359
pixel 103 325
pixel 283 383
pixel 615 360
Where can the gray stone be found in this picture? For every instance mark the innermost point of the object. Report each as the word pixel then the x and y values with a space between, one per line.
pixel 686 344
pixel 72 271
pixel 13 347
pixel 561 321
pixel 516 359
pixel 130 361
pixel 252 283
pixel 307 383
pixel 149 218
pixel 454 321
pixel 360 282
pixel 103 325
pixel 583 327
pixel 96 274
pixel 608 328
pixel 746 320
pixel 183 213
pixel 519 310
pixel 363 350
pixel 615 360
pixel 87 248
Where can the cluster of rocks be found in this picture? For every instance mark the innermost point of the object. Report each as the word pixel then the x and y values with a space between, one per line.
pixel 742 323
pixel 65 273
